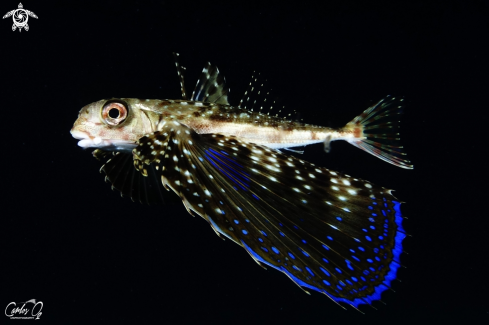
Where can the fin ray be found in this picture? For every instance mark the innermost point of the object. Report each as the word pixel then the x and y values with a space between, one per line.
pixel 181 75
pixel 211 86
pixel 378 127
pixel 121 174
pixel 327 232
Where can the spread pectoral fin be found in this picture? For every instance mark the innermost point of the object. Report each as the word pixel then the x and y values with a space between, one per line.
pixel 327 232
pixel 121 174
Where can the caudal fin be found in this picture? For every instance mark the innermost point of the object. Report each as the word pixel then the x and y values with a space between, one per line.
pixel 376 131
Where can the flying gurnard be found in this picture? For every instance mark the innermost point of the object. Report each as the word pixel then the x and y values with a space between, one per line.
pixel 328 232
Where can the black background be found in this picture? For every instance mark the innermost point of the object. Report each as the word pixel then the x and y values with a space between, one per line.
pixel 93 257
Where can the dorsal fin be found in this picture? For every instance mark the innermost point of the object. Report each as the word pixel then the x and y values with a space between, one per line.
pixel 211 86
pixel 244 102
pixel 257 97
pixel 180 71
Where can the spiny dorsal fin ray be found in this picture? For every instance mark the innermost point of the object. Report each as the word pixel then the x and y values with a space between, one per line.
pixel 327 232
pixel 121 174
pixel 211 86
pixel 181 72
pixel 257 96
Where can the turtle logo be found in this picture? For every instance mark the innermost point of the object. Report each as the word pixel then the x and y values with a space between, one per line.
pixel 20 17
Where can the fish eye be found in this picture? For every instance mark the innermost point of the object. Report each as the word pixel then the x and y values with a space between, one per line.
pixel 114 112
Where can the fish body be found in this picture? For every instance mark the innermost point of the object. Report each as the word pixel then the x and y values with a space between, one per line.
pixel 328 232
pixel 147 115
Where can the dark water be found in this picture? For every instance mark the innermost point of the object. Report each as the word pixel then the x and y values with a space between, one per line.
pixel 90 256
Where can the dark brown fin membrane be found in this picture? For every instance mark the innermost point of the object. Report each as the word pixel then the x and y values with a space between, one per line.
pixel 121 174
pixel 211 87
pixel 327 232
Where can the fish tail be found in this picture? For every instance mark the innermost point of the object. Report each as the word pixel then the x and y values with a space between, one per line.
pixel 376 131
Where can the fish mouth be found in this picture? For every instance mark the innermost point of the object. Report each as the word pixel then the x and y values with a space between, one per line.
pixel 87 141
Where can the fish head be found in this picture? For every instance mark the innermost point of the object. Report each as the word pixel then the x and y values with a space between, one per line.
pixel 114 124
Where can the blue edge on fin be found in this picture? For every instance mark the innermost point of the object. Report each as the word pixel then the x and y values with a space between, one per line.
pixel 391 275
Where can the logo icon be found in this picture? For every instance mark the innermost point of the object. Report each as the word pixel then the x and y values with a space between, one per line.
pixel 20 311
pixel 20 17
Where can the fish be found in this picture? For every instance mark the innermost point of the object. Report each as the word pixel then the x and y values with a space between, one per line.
pixel 326 231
